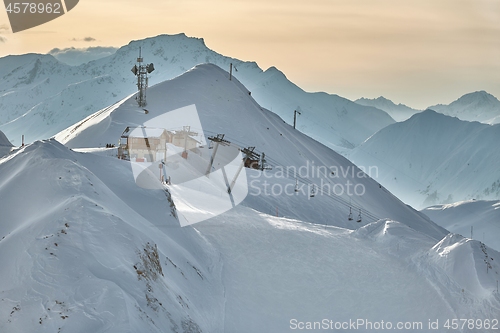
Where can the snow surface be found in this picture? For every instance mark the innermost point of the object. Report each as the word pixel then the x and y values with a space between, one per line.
pixel 74 233
pixel 39 96
pixel 459 217
pixel 225 107
pixel 74 257
pixel 435 159
pixel 399 112
pixel 477 106
pixel 83 247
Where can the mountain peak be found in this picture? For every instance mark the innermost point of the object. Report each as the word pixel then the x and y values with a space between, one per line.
pixel 478 97
pixel 4 142
pixel 476 106
pixel 398 112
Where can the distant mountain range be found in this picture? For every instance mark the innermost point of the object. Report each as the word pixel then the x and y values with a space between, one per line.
pixel 477 106
pixel 399 112
pixel 40 96
pixel 432 159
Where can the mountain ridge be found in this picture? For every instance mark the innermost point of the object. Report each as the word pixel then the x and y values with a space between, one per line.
pixel 433 158
pixel 399 112
pixel 108 255
pixel 39 108
pixel 476 106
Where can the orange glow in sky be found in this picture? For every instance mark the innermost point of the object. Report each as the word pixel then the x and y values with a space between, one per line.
pixel 415 52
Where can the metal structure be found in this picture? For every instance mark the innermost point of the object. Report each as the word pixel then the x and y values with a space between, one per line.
pixel 263 163
pixel 186 130
pixel 141 71
pixel 231 71
pixel 219 139
pixel 295 117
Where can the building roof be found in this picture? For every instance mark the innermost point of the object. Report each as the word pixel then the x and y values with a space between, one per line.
pixel 143 132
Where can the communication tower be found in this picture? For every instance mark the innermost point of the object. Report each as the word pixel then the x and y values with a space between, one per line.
pixel 141 71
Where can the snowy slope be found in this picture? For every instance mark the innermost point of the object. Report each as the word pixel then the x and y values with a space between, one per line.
pixel 477 106
pixel 277 270
pixel 39 96
pixel 108 256
pixel 226 107
pixel 432 158
pixel 399 112
pixel 459 217
pixel 81 247
pixel 89 249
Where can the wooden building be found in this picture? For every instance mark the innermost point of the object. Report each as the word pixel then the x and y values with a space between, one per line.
pixel 147 144
pixel 144 144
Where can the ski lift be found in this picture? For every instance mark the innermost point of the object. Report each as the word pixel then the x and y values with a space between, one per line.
pixel 313 191
pixel 296 185
pixel 349 217
pixel 359 216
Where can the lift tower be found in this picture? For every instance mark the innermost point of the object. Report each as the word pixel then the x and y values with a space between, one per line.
pixel 141 71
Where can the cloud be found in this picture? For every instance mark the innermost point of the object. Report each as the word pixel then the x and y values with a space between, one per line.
pixel 4 28
pixel 77 56
pixel 3 39
pixel 86 39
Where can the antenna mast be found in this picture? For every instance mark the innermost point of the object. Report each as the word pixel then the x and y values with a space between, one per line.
pixel 141 71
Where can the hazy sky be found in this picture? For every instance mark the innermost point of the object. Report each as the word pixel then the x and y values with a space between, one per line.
pixel 414 52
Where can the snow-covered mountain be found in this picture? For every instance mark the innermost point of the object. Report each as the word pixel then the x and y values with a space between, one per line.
pixel 83 247
pixel 435 159
pixel 399 112
pixel 477 106
pixel 5 145
pixel 227 108
pixel 40 96
pixel 483 216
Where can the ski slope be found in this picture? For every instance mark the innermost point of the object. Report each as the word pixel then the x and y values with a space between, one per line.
pixel 40 96
pixel 482 215
pixel 108 256
pixel 279 269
